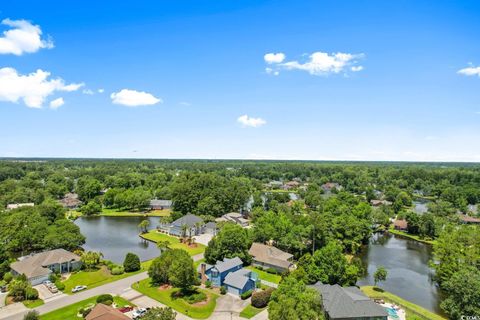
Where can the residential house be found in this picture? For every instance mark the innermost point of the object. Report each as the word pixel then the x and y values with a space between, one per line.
pixel 104 312
pixel 70 201
pixel 211 228
pixel 342 303
pixel 12 206
pixel 190 225
pixel 329 187
pixel 229 273
pixel 291 185
pixel 38 267
pixel 156 204
pixel 266 256
pixel 377 203
pixel 234 217
pixel 401 225
pixel 468 219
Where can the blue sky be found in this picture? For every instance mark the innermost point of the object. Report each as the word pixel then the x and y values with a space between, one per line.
pixel 346 80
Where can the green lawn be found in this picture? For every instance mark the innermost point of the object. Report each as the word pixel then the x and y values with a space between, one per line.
pixel 275 278
pixel 70 312
pixel 120 213
pixel 96 278
pixel 250 311
pixel 410 236
pixel 413 311
pixel 33 303
pixel 155 236
pixel 180 305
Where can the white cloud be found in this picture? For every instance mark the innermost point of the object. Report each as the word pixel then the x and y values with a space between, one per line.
pixel 33 88
pixel 356 68
pixel 247 121
pixel 133 98
pixel 470 71
pixel 101 90
pixel 185 104
pixel 274 57
pixel 88 91
pixel 23 37
pixel 57 103
pixel 318 63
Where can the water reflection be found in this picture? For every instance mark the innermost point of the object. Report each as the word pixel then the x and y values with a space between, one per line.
pixel 407 262
pixel 116 236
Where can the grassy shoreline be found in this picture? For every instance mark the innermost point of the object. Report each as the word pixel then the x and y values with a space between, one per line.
pixel 73 214
pixel 410 236
pixel 175 243
pixel 413 310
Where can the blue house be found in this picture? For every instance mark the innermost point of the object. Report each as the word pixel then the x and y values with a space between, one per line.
pixel 229 273
pixel 191 224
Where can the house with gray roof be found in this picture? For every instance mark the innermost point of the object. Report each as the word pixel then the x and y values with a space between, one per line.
pixel 157 204
pixel 342 303
pixel 229 273
pixel 189 224
pixel 38 267
pixel 234 217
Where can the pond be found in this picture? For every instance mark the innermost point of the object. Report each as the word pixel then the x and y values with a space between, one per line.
pixel 116 236
pixel 409 274
pixel 420 206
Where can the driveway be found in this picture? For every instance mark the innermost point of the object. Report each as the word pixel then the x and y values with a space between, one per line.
pixel 203 238
pixel 13 310
pixel 46 295
pixel 229 307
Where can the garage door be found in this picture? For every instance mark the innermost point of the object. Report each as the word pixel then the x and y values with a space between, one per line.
pixel 233 290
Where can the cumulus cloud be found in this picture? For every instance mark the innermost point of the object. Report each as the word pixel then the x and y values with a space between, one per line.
pixel 88 92
pixel 57 103
pixel 133 98
pixel 470 71
pixel 101 90
pixel 274 57
pixel 318 63
pixel 23 37
pixel 247 121
pixel 32 88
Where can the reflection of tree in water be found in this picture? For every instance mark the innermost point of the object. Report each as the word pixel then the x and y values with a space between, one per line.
pixel 144 243
pixel 380 238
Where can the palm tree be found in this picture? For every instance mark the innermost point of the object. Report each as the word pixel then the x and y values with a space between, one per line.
pixel 184 231
pixel 163 245
pixel 144 226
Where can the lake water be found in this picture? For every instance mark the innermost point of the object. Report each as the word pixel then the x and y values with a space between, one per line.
pixel 116 236
pixel 420 206
pixel 409 274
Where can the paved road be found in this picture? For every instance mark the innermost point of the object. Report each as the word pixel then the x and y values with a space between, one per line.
pixel 115 288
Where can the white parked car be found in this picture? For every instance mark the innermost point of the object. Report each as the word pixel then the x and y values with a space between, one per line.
pixel 138 313
pixel 79 288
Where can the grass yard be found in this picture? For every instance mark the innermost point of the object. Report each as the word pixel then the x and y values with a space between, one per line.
pixel 413 311
pixel 120 213
pixel 99 277
pixel 33 303
pixel 180 305
pixel 250 311
pixel 275 278
pixel 410 236
pixel 70 312
pixel 155 236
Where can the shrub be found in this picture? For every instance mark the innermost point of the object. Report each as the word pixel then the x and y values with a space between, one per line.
pixel 86 310
pixel 7 277
pixel 260 299
pixel 117 270
pixel 246 294
pixel 53 277
pixel 196 297
pixel 105 299
pixel 59 284
pixel 272 271
pixel 223 290
pixel 31 315
pixel 208 284
pixel 131 263
pixel 31 293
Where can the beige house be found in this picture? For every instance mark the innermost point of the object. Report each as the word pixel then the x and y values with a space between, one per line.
pixel 270 257
pixel 38 267
pixel 104 312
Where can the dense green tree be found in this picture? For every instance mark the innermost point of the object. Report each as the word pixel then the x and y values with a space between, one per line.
pixel 463 294
pixel 131 262
pixel 160 314
pixel 88 188
pixel 160 267
pixel 380 274
pixel 63 234
pixel 294 301
pixel 232 241
pixel 182 273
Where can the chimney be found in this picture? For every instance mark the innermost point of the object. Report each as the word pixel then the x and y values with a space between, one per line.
pixel 203 276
